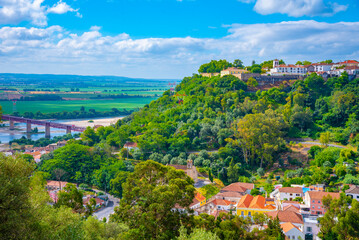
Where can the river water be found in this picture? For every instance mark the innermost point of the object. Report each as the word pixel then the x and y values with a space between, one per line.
pixel 7 135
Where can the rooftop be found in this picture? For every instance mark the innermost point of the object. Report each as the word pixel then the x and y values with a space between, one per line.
pixel 238 187
pixel 291 190
pixel 319 195
pixel 286 216
pixel 288 226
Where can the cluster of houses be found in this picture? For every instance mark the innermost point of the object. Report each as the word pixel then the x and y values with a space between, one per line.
pixel 37 152
pixel 324 69
pixel 53 188
pixel 296 207
pixel 285 72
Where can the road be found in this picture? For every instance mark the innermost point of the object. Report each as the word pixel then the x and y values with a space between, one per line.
pixel 319 144
pixel 107 211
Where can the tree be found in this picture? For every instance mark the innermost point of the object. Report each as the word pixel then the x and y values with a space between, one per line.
pixel 15 208
pixel 149 197
pixel 238 63
pixel 89 136
pixel 340 220
pixel 252 82
pixel 70 197
pixel 324 138
pixel 260 172
pixel 259 135
pixel 210 176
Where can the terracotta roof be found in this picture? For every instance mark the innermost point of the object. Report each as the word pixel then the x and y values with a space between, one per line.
pixel 319 195
pixel 286 216
pixel 291 189
pixel 199 197
pixel 349 61
pixel 257 202
pixel 56 183
pixel 245 201
pixel 179 167
pixel 98 200
pixel 238 187
pixel 216 212
pixel 291 208
pixel 291 66
pixel 222 202
pixel 288 226
pixel 353 189
pixel 130 144
pixel 230 194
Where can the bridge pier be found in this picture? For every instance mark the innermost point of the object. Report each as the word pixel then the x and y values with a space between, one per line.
pixel 68 130
pixel 28 126
pixel 47 130
pixel 12 127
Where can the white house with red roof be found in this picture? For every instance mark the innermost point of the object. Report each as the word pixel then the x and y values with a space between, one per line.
pixel 322 67
pixel 292 232
pixel 239 187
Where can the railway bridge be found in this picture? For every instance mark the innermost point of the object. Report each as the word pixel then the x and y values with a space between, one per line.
pixel 47 124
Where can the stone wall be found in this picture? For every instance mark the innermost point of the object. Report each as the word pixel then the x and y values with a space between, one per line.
pixel 209 74
pixel 265 79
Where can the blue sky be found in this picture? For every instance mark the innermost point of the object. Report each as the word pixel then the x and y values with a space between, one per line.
pixel 169 38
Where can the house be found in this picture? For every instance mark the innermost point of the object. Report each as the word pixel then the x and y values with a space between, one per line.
pixel 322 67
pixel 198 201
pixel 99 201
pixel 346 63
pixel 288 193
pixel 314 199
pixel 239 187
pixel 218 204
pixel 311 228
pixel 286 203
pixel 249 205
pixel 287 69
pixel 230 196
pixel 130 145
pixel 287 216
pixel 55 185
pixel 232 71
pixel 292 232
pixel 353 192
pixel 189 169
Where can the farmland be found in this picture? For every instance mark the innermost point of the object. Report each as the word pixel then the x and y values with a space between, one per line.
pixel 59 106
pixel 58 93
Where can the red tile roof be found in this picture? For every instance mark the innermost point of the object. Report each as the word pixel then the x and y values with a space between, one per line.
pixel 291 189
pixel 286 216
pixel 245 201
pixel 199 197
pixel 238 187
pixel 291 208
pixel 288 226
pixel 130 145
pixel 221 202
pixel 319 195
pixel 353 189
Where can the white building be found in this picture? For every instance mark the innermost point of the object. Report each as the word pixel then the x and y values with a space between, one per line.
pixel 322 67
pixel 311 226
pixel 353 192
pixel 287 193
pixel 287 69
pixel 292 232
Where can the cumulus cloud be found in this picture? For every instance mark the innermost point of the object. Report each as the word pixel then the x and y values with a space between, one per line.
pixel 56 50
pixel 16 11
pixel 297 8
pixel 61 8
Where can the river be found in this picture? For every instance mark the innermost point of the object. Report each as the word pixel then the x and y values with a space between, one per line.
pixel 6 135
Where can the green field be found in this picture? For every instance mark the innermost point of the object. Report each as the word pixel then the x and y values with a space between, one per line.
pixel 59 106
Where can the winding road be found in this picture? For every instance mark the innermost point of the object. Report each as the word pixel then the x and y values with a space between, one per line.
pixel 109 209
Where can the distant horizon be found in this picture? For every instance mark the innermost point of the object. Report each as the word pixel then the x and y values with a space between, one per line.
pixel 170 39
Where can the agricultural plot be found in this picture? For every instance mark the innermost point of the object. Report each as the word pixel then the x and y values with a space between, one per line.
pixel 75 105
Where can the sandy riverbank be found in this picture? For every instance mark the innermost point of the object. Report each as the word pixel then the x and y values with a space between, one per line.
pixel 86 123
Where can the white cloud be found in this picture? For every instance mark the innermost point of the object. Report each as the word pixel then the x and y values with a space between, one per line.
pixel 61 8
pixel 16 11
pixel 55 50
pixel 297 8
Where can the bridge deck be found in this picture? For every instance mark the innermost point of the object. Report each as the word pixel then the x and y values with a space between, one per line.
pixel 43 123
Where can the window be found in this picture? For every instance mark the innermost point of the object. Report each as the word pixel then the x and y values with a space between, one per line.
pixel 249 214
pixel 318 201
pixel 313 207
pixel 242 213
pixel 313 201
pixel 318 207
pixel 309 229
